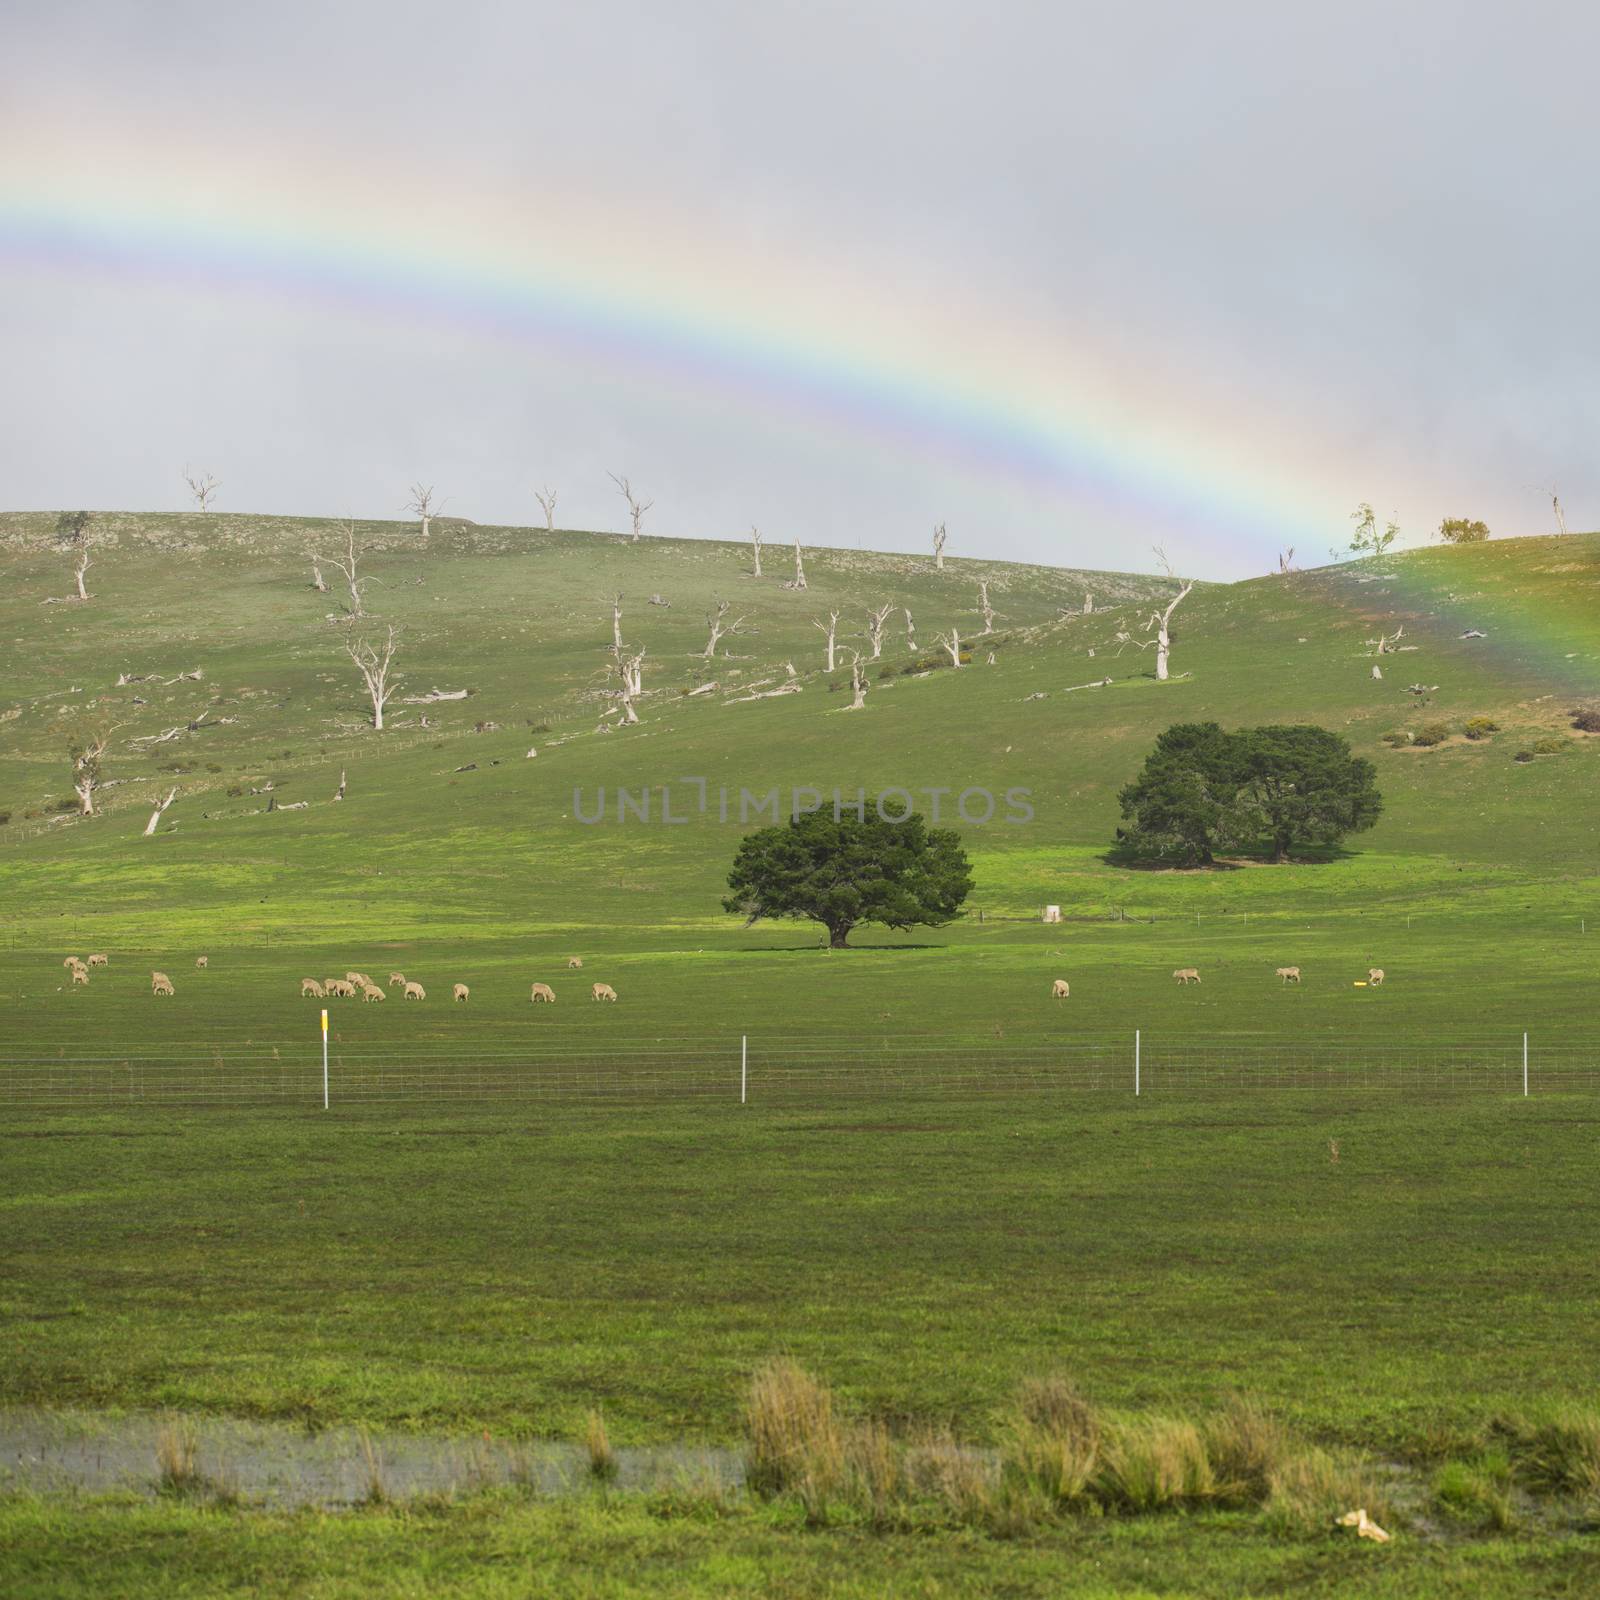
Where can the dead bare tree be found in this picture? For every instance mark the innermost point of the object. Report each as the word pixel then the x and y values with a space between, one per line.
pixel 755 550
pixel 875 622
pixel 830 631
pixel 911 629
pixel 547 504
pixel 984 608
pixel 339 792
pixel 636 506
pixel 72 529
pixel 952 642
pixel 799 579
pixel 202 486
pixel 858 683
pixel 1286 562
pixel 350 565
pixel 939 537
pixel 1088 605
pixel 317 582
pixel 423 506
pixel 630 681
pixel 159 812
pixel 1387 644
pixel 86 772
pixel 375 665
pixel 616 622
pixel 1161 620
pixel 719 628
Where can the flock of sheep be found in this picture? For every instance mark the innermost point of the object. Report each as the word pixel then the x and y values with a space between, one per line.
pixel 160 983
pixel 1062 990
pixel 354 983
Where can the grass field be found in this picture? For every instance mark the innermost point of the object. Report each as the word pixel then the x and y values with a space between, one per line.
pixel 511 1264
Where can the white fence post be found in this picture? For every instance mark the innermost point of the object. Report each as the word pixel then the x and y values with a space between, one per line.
pixel 744 1065
pixel 1136 1062
pixel 324 1060
pixel 1524 1066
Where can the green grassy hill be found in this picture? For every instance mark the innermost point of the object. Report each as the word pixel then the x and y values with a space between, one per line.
pixel 458 855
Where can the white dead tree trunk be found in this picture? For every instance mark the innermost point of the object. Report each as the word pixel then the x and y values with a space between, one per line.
pixel 830 631
pixel 202 486
pixel 858 683
pixel 636 506
pixel 616 624
pixel 630 681
pixel 875 622
pixel 985 610
pixel 547 504
pixel 159 812
pixel 317 581
pixel 799 580
pixel 350 565
pixel 1286 562
pixel 939 537
pixel 86 774
pixel 81 568
pixel 339 792
pixel 1161 621
pixel 952 642
pixel 375 666
pixel 911 629
pixel 1555 505
pixel 719 628
pixel 755 550
pixel 1088 605
pixel 423 506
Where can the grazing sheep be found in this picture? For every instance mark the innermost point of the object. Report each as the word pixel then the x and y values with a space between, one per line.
pixel 338 989
pixel 310 986
pixel 1187 974
pixel 604 991
pixel 1375 976
pixel 414 991
pixel 160 983
pixel 1288 974
pixel 202 961
pixel 80 975
pixel 460 992
pixel 100 961
pixel 72 961
pixel 574 961
pixel 397 980
pixel 543 992
pixel 1060 989
pixel 370 991
pixel 355 977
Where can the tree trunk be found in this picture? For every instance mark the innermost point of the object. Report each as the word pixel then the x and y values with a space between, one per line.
pixel 1280 845
pixel 1163 649
pixel 839 935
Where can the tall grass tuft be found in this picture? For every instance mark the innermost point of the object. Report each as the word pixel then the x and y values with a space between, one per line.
pixel 1052 1444
pixel 797 1444
pixel 1152 1463
pixel 1310 1487
pixel 1247 1448
pixel 372 1463
pixel 177 1456
pixel 597 1446
pixel 1563 1456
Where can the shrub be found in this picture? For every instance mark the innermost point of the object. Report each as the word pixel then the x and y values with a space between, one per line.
pixel 1523 755
pixel 1586 721
pixel 1398 739
pixel 1480 727
pixel 886 672
pixel 1430 734
pixel 1550 745
pixel 1461 530
pixel 211 766
pixel 235 790
pixel 5 817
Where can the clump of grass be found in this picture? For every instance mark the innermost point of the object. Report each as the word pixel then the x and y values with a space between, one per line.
pixel 1053 1442
pixel 1480 727
pixel 177 1456
pixel 1478 1491
pixel 1247 1447
pixel 1311 1487
pixel 597 1447
pixel 372 1464
pixel 1563 1456
pixel 1430 734
pixel 1154 1463
pixel 1551 745
pixel 875 1463
pixel 797 1444
pixel 961 1481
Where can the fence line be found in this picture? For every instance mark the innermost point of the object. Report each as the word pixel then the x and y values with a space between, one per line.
pixel 795 1072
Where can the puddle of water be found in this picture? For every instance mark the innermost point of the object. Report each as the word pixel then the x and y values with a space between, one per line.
pixel 280 1465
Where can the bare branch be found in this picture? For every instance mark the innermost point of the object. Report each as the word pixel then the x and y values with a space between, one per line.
pixel 202 486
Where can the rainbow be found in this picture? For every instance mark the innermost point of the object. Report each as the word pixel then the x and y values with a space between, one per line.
pixel 991 392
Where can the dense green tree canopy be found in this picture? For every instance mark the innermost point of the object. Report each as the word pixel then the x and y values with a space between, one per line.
pixel 844 872
pixel 1461 530
pixel 1202 789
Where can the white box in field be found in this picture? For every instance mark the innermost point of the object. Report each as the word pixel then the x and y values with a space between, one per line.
pixel 1052 913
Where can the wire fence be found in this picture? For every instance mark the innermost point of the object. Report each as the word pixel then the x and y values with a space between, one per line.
pixel 795 1072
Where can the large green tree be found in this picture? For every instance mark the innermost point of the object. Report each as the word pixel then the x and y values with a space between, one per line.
pixel 843 872
pixel 1202 789
pixel 1182 804
pixel 1305 786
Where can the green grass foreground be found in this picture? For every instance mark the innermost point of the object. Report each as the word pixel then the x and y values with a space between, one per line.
pixel 497 1546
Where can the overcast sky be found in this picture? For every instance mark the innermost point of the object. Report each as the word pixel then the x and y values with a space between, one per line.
pixel 1073 279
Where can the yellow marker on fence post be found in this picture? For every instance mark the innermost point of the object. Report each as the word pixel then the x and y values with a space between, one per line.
pixel 1360 983
pixel 324 1060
